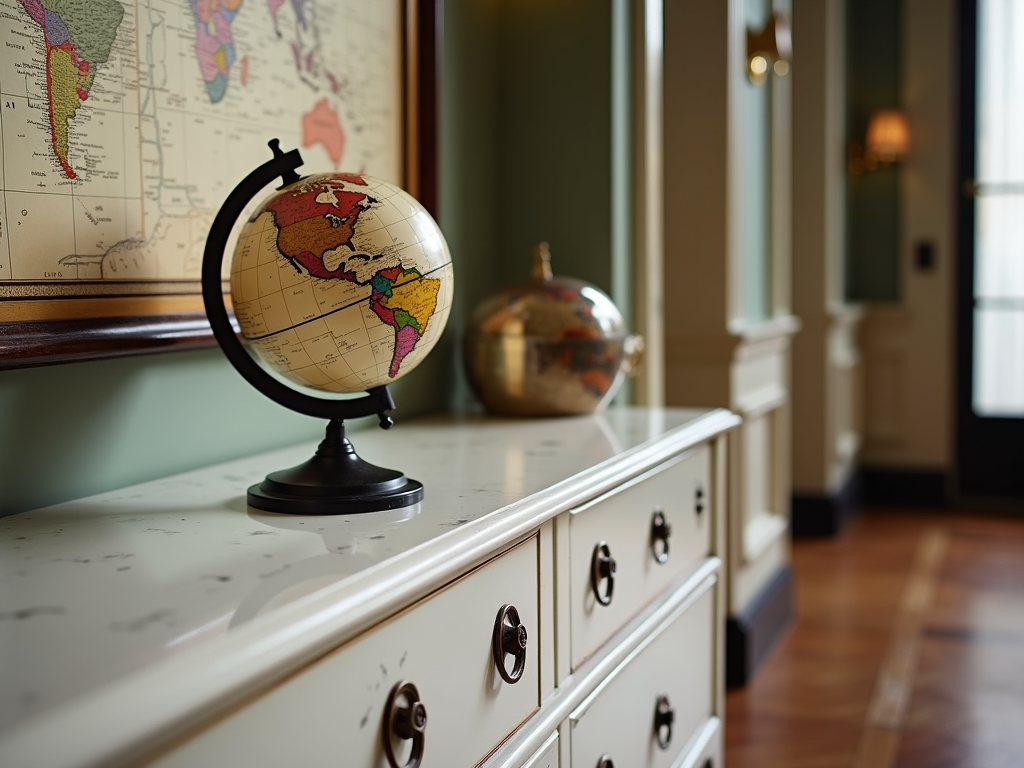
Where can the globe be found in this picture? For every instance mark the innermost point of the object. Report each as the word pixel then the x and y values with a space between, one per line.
pixel 341 282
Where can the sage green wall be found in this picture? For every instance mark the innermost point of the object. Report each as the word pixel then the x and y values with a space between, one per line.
pixel 73 430
pixel 873 74
pixel 469 155
pixel 557 159
pixel 755 194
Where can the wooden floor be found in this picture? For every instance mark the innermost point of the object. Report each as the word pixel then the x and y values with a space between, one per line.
pixel 907 650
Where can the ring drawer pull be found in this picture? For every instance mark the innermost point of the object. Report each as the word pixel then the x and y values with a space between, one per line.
pixel 605 762
pixel 664 716
pixel 509 639
pixel 602 567
pixel 405 722
pixel 660 531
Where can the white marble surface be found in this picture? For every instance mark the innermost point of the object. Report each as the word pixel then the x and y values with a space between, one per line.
pixel 95 589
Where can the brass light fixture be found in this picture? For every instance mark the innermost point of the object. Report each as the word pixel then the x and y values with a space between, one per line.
pixel 771 48
pixel 887 141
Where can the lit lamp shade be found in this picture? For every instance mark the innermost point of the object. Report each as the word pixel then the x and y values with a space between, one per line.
pixel 888 138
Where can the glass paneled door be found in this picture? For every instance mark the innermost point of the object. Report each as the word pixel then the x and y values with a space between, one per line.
pixel 991 275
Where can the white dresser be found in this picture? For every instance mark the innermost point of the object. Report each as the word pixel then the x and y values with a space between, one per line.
pixel 555 600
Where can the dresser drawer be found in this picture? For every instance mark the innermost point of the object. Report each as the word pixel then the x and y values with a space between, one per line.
pixel 673 669
pixel 623 525
pixel 707 749
pixel 332 713
pixel 546 756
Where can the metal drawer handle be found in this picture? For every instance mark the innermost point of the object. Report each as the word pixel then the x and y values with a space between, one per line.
pixel 664 716
pixel 509 639
pixel 602 567
pixel 405 722
pixel 660 531
pixel 605 762
pixel 698 503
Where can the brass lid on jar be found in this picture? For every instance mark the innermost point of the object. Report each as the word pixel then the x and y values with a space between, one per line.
pixel 549 308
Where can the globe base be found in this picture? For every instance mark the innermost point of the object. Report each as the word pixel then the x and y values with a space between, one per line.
pixel 334 482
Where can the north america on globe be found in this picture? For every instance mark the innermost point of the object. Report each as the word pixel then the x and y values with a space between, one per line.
pixel 341 282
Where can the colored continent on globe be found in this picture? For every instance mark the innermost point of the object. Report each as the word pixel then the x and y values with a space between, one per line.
pixel 78 35
pixel 319 220
pixel 215 46
pixel 405 300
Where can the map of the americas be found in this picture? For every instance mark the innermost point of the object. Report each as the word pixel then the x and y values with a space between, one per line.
pixel 126 125
pixel 341 282
pixel 78 35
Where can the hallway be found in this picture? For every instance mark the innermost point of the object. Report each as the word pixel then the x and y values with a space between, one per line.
pixel 907 650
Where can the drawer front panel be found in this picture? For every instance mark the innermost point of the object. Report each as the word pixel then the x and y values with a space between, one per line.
pixel 546 756
pixel 331 713
pixel 709 753
pixel 624 520
pixel 619 719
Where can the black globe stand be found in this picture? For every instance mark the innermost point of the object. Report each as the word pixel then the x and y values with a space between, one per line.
pixel 335 481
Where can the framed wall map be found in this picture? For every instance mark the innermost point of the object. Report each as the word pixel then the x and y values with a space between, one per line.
pixel 125 123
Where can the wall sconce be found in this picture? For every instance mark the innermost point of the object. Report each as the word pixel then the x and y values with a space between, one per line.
pixel 887 142
pixel 771 47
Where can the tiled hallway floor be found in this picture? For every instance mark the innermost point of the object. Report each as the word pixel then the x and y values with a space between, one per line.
pixel 907 650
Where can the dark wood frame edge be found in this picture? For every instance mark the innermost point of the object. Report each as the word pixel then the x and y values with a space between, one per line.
pixel 51 342
pixel 30 344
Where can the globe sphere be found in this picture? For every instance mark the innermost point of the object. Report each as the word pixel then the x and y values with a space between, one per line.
pixel 552 346
pixel 341 282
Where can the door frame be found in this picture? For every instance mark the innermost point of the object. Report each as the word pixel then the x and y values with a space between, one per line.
pixel 986 463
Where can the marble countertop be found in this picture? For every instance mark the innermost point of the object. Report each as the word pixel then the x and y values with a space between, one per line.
pixel 96 589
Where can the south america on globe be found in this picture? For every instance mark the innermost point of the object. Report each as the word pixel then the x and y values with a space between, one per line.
pixel 341 282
